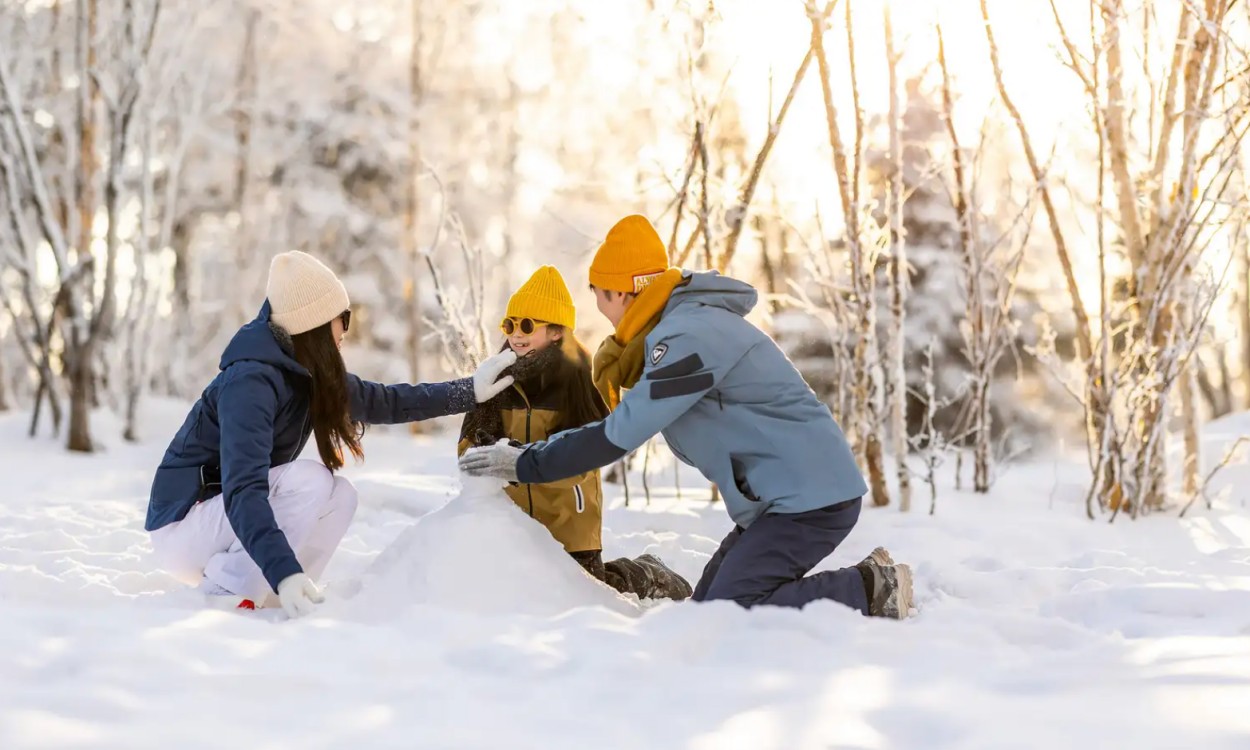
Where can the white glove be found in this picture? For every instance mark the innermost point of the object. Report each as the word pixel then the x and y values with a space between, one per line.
pixel 486 381
pixel 498 460
pixel 299 595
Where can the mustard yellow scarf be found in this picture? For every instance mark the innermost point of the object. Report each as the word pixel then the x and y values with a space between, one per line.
pixel 620 360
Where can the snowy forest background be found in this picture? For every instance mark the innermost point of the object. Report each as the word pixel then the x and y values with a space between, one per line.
pixel 982 228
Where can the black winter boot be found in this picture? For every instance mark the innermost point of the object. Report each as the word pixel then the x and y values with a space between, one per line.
pixel 647 577
pixel 666 583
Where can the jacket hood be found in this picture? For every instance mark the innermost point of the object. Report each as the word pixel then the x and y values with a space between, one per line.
pixel 712 289
pixel 255 342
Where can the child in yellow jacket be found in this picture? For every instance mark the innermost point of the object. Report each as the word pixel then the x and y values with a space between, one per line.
pixel 553 392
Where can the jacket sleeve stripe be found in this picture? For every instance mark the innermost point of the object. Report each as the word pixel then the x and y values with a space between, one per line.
pixel 685 366
pixel 685 386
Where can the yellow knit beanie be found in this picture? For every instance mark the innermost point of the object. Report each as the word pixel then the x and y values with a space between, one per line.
pixel 303 294
pixel 546 298
pixel 630 258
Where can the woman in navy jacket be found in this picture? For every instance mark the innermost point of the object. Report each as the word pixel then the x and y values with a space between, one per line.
pixel 231 508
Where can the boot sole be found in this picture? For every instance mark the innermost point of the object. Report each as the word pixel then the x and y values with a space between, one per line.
pixel 881 556
pixel 895 605
pixel 903 595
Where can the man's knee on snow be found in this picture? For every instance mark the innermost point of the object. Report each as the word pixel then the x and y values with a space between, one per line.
pixel 734 593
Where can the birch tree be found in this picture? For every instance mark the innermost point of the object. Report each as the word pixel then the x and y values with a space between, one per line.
pixel 900 277
pixel 1129 389
pixel 5 333
pixel 866 384
pixel 991 268
pixel 85 310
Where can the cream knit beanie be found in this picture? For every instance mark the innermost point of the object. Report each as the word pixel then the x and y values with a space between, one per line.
pixel 303 294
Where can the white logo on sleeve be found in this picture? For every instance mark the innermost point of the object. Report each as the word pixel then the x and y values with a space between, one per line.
pixel 658 353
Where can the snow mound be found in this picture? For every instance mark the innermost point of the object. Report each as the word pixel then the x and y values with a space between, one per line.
pixel 481 554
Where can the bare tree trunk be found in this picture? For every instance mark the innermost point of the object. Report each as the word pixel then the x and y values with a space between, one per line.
pixel 18 158
pixel 80 364
pixel 139 319
pixel 47 384
pixel 181 302
pixel 705 211
pixel 862 270
pixel 1118 138
pixel 899 287
pixel 410 246
pixel 767 266
pixel 1151 474
pixel 1198 82
pixel 982 448
pixel 81 371
pixel 1243 309
pixel 976 334
pixel 931 445
pixel 247 85
pixel 88 93
pixel 684 192
pixel 1189 419
pixel 4 380
pixel 1169 297
pixel 56 47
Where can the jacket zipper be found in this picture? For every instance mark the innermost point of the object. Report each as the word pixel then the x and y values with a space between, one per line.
pixel 529 488
pixel 299 447
pixel 529 411
pixel 303 436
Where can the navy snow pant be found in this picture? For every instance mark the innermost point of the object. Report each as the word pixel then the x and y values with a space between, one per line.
pixel 768 562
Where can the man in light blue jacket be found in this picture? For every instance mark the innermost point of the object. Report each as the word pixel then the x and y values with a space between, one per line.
pixel 730 403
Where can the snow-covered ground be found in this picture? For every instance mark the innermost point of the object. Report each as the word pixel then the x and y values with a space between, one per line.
pixel 1036 628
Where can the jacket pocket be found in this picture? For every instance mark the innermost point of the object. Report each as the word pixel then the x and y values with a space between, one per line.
pixel 740 479
pixel 580 497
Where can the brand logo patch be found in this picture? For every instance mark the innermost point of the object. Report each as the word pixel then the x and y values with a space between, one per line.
pixel 642 281
pixel 658 353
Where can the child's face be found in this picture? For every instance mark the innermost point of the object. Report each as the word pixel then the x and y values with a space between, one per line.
pixel 525 344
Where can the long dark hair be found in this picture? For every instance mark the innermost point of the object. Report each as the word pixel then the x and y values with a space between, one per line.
pixel 577 400
pixel 328 399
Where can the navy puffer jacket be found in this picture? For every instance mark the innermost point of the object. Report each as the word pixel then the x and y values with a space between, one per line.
pixel 255 416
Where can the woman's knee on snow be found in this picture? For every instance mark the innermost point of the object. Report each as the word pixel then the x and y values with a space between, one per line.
pixel 304 476
pixel 343 496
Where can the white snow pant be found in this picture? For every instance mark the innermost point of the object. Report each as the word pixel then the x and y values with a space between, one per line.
pixel 312 507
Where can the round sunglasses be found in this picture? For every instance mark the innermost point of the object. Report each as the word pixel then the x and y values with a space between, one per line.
pixel 527 326
pixel 346 317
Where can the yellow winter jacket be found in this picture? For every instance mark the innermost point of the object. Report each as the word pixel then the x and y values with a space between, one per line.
pixel 571 509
